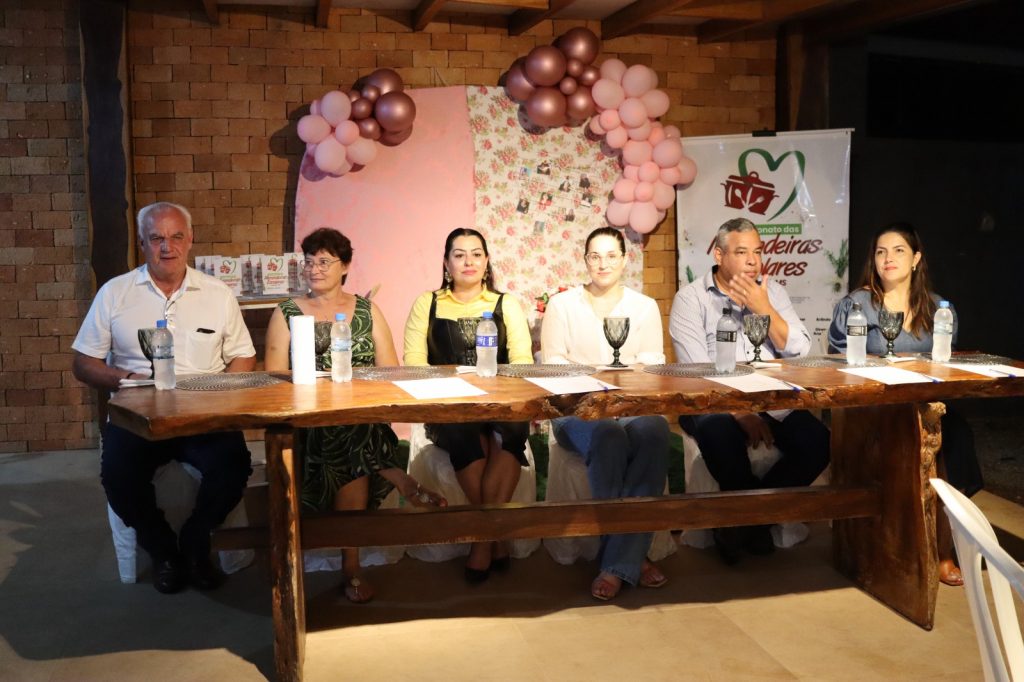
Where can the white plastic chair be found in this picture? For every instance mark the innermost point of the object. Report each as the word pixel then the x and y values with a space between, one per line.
pixel 975 540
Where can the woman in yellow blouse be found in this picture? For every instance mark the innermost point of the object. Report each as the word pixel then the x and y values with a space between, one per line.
pixel 487 456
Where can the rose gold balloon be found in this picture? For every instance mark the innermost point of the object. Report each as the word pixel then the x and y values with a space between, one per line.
pixel 517 85
pixel 370 92
pixel 568 85
pixel 589 76
pixel 369 128
pixel 385 80
pixel 361 108
pixel 579 43
pixel 579 105
pixel 393 138
pixel 395 111
pixel 353 95
pixel 574 67
pixel 545 65
pixel 546 107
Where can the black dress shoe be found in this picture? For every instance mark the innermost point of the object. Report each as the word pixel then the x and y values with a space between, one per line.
pixel 168 576
pixel 501 564
pixel 728 542
pixel 203 574
pixel 759 540
pixel 475 576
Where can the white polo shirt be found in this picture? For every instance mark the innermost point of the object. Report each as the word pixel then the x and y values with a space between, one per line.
pixel 203 315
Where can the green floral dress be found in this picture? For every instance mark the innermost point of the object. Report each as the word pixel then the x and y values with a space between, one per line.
pixel 333 456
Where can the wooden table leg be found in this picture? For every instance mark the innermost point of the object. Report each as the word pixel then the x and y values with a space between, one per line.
pixel 892 557
pixel 289 601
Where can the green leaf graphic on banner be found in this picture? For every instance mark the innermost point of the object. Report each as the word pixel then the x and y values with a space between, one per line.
pixel 773 165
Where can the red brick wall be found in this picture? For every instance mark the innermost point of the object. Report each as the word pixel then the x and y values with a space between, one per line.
pixel 213 128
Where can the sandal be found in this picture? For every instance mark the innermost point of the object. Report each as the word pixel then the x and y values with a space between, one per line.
pixel 604 588
pixel 949 573
pixel 356 591
pixel 651 576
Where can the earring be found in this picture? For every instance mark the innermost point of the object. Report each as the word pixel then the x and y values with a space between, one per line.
pixel 913 268
pixel 447 277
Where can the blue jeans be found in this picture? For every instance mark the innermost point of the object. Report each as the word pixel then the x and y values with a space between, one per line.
pixel 626 457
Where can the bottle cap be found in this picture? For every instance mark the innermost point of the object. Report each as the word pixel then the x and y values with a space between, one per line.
pixel 488 314
pixel 339 317
pixel 856 308
pixel 161 324
pixel 943 304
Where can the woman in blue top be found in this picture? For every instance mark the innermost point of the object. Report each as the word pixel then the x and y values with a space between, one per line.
pixel 896 276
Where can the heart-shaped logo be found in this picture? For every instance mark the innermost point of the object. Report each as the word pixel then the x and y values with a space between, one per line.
pixel 773 164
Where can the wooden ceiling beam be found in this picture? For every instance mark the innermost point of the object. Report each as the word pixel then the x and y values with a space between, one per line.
pixel 212 14
pixel 749 10
pixel 323 13
pixel 523 20
pixel 425 13
pixel 636 14
pixel 869 15
pixel 775 12
pixel 517 4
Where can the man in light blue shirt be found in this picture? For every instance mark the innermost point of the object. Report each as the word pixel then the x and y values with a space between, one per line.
pixel 735 282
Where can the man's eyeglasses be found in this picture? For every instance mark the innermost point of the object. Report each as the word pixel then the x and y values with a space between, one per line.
pixel 597 258
pixel 323 265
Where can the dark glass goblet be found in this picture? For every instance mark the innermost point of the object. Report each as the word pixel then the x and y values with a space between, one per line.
pixel 890 324
pixel 467 329
pixel 616 329
pixel 756 328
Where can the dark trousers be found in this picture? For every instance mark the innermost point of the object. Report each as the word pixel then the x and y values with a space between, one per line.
pixel 127 468
pixel 800 437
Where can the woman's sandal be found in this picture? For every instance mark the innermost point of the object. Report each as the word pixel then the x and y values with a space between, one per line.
pixel 356 591
pixel 949 573
pixel 603 588
pixel 651 576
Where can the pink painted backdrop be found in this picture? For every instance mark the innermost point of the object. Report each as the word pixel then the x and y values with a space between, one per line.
pixel 398 209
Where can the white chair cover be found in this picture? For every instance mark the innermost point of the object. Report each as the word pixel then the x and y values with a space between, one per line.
pixel 432 468
pixel 976 540
pixel 330 559
pixel 567 481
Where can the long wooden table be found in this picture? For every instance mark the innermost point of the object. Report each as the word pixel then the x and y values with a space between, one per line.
pixel 884 440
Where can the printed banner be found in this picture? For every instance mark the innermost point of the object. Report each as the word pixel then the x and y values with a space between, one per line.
pixel 796 188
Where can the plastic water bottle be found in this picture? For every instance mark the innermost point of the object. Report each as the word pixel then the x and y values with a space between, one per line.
pixel 857 337
pixel 942 333
pixel 163 356
pixel 725 342
pixel 341 350
pixel 487 346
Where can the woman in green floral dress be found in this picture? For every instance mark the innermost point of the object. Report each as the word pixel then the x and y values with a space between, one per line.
pixel 345 467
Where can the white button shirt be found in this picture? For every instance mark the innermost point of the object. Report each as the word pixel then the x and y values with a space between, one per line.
pixel 203 315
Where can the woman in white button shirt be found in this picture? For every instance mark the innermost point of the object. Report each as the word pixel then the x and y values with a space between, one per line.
pixel 626 457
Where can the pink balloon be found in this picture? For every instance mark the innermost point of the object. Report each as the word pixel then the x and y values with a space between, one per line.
pixel 335 106
pixel 610 119
pixel 656 102
pixel 637 80
pixel 618 213
pixel 596 127
pixel 546 107
pixel 617 138
pixel 643 217
pixel 310 147
pixel 613 69
pixel 644 191
pixel 361 152
pixel 330 156
pixel 624 190
pixel 649 172
pixel 664 196
pixel 347 132
pixel 633 112
pixel 672 131
pixel 657 133
pixel 640 133
pixel 687 171
pixel 607 94
pixel 313 128
pixel 671 176
pixel 632 172
pixel 545 65
pixel 636 153
pixel 668 153
pixel 314 107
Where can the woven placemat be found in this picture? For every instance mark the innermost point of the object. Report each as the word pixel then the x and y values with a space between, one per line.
pixel 228 382
pixel 972 358
pixel 696 370
pixel 832 361
pixel 536 371
pixel 400 373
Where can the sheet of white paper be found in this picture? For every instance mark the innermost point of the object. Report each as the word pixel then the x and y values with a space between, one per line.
pixel 901 358
pixel 135 383
pixel 994 371
pixel 889 375
pixel 765 365
pixel 753 383
pixel 563 385
pixel 447 387
pixel 465 369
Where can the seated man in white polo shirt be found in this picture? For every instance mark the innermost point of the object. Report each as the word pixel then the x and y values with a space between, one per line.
pixel 209 337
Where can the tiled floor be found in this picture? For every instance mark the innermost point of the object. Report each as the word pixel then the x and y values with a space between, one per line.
pixel 65 616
